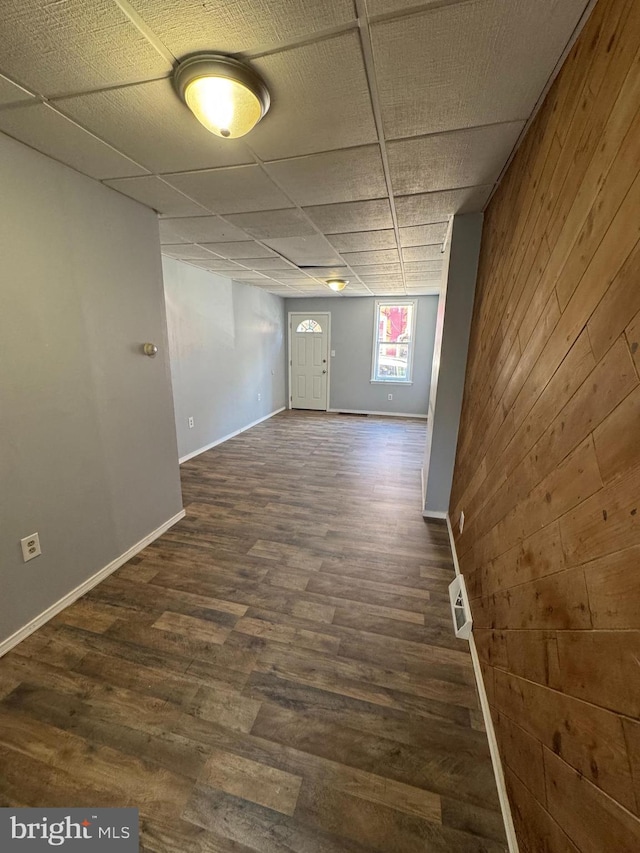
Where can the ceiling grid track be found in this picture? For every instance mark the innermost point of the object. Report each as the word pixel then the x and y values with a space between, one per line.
pixel 146 31
pixel 100 100
pixel 369 64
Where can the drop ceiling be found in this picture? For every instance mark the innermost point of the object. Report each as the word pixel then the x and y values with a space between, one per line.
pixel 387 117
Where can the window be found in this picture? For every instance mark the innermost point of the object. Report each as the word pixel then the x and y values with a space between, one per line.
pixel 310 326
pixel 393 340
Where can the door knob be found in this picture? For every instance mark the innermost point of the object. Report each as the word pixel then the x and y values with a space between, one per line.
pixel 324 371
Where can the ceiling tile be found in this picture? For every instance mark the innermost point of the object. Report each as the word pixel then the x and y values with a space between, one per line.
pixel 498 53
pixel 322 99
pixel 384 256
pixel 385 7
pixel 236 251
pixel 425 208
pixel 217 264
pixel 423 235
pixel 363 241
pixel 11 93
pixel 271 265
pixel 42 128
pixel 352 216
pixel 422 253
pixel 204 229
pixel 300 281
pixel 433 275
pixel 73 46
pixel 379 269
pixel 274 223
pixel 248 275
pixel 168 234
pixel 241 25
pixel 463 158
pixel 236 190
pixel 323 273
pixel 150 124
pixel 310 251
pixel 336 176
pixel 185 251
pixel 423 266
pixel 383 281
pixel 156 194
pixel 286 274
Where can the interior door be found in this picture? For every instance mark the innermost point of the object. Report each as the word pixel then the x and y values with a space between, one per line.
pixel 309 361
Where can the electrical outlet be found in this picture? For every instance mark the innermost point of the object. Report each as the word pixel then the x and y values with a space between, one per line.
pixel 461 522
pixel 333 353
pixel 30 547
pixel 389 396
pixel 190 423
pixel 259 397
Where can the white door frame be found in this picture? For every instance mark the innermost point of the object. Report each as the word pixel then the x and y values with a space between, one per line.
pixel 326 314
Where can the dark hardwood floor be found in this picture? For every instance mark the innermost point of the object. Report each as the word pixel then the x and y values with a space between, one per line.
pixel 277 673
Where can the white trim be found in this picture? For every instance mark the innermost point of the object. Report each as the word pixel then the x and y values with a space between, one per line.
pixel 230 435
pixel 389 382
pixel 427 513
pixel 488 722
pixel 326 314
pixel 85 586
pixel 368 412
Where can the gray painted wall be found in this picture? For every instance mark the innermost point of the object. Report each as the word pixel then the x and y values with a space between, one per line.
pixel 88 454
pixel 352 321
pixel 227 344
pixel 442 434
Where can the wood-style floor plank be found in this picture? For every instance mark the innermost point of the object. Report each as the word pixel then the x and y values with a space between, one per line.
pixel 277 672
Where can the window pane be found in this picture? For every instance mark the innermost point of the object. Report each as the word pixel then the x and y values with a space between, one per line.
pixel 394 322
pixel 393 360
pixel 310 326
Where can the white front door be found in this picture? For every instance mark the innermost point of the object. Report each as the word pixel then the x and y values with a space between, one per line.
pixel 309 360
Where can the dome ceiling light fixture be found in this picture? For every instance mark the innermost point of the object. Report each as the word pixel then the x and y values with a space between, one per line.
pixel 226 96
pixel 337 284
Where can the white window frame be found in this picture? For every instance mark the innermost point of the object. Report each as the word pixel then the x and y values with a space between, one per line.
pixel 376 342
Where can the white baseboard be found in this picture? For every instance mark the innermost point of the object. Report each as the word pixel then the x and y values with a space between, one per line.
pixel 230 435
pixel 510 831
pixel 367 412
pixel 85 586
pixel 428 513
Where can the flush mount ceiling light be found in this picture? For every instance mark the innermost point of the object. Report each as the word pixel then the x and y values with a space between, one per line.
pixel 225 95
pixel 337 284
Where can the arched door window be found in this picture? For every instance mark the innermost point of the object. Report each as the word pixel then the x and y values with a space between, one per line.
pixel 310 326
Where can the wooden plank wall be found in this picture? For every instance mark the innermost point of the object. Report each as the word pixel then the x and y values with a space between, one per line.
pixel 548 461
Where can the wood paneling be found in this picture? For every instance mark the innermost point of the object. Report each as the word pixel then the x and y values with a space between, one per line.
pixel 277 672
pixel 548 461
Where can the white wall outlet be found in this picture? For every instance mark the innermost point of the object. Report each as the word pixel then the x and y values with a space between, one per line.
pixel 190 423
pixel 461 522
pixel 259 397
pixel 333 353
pixel 389 396
pixel 30 547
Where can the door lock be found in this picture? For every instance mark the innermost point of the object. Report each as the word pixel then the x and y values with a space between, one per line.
pixel 324 371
